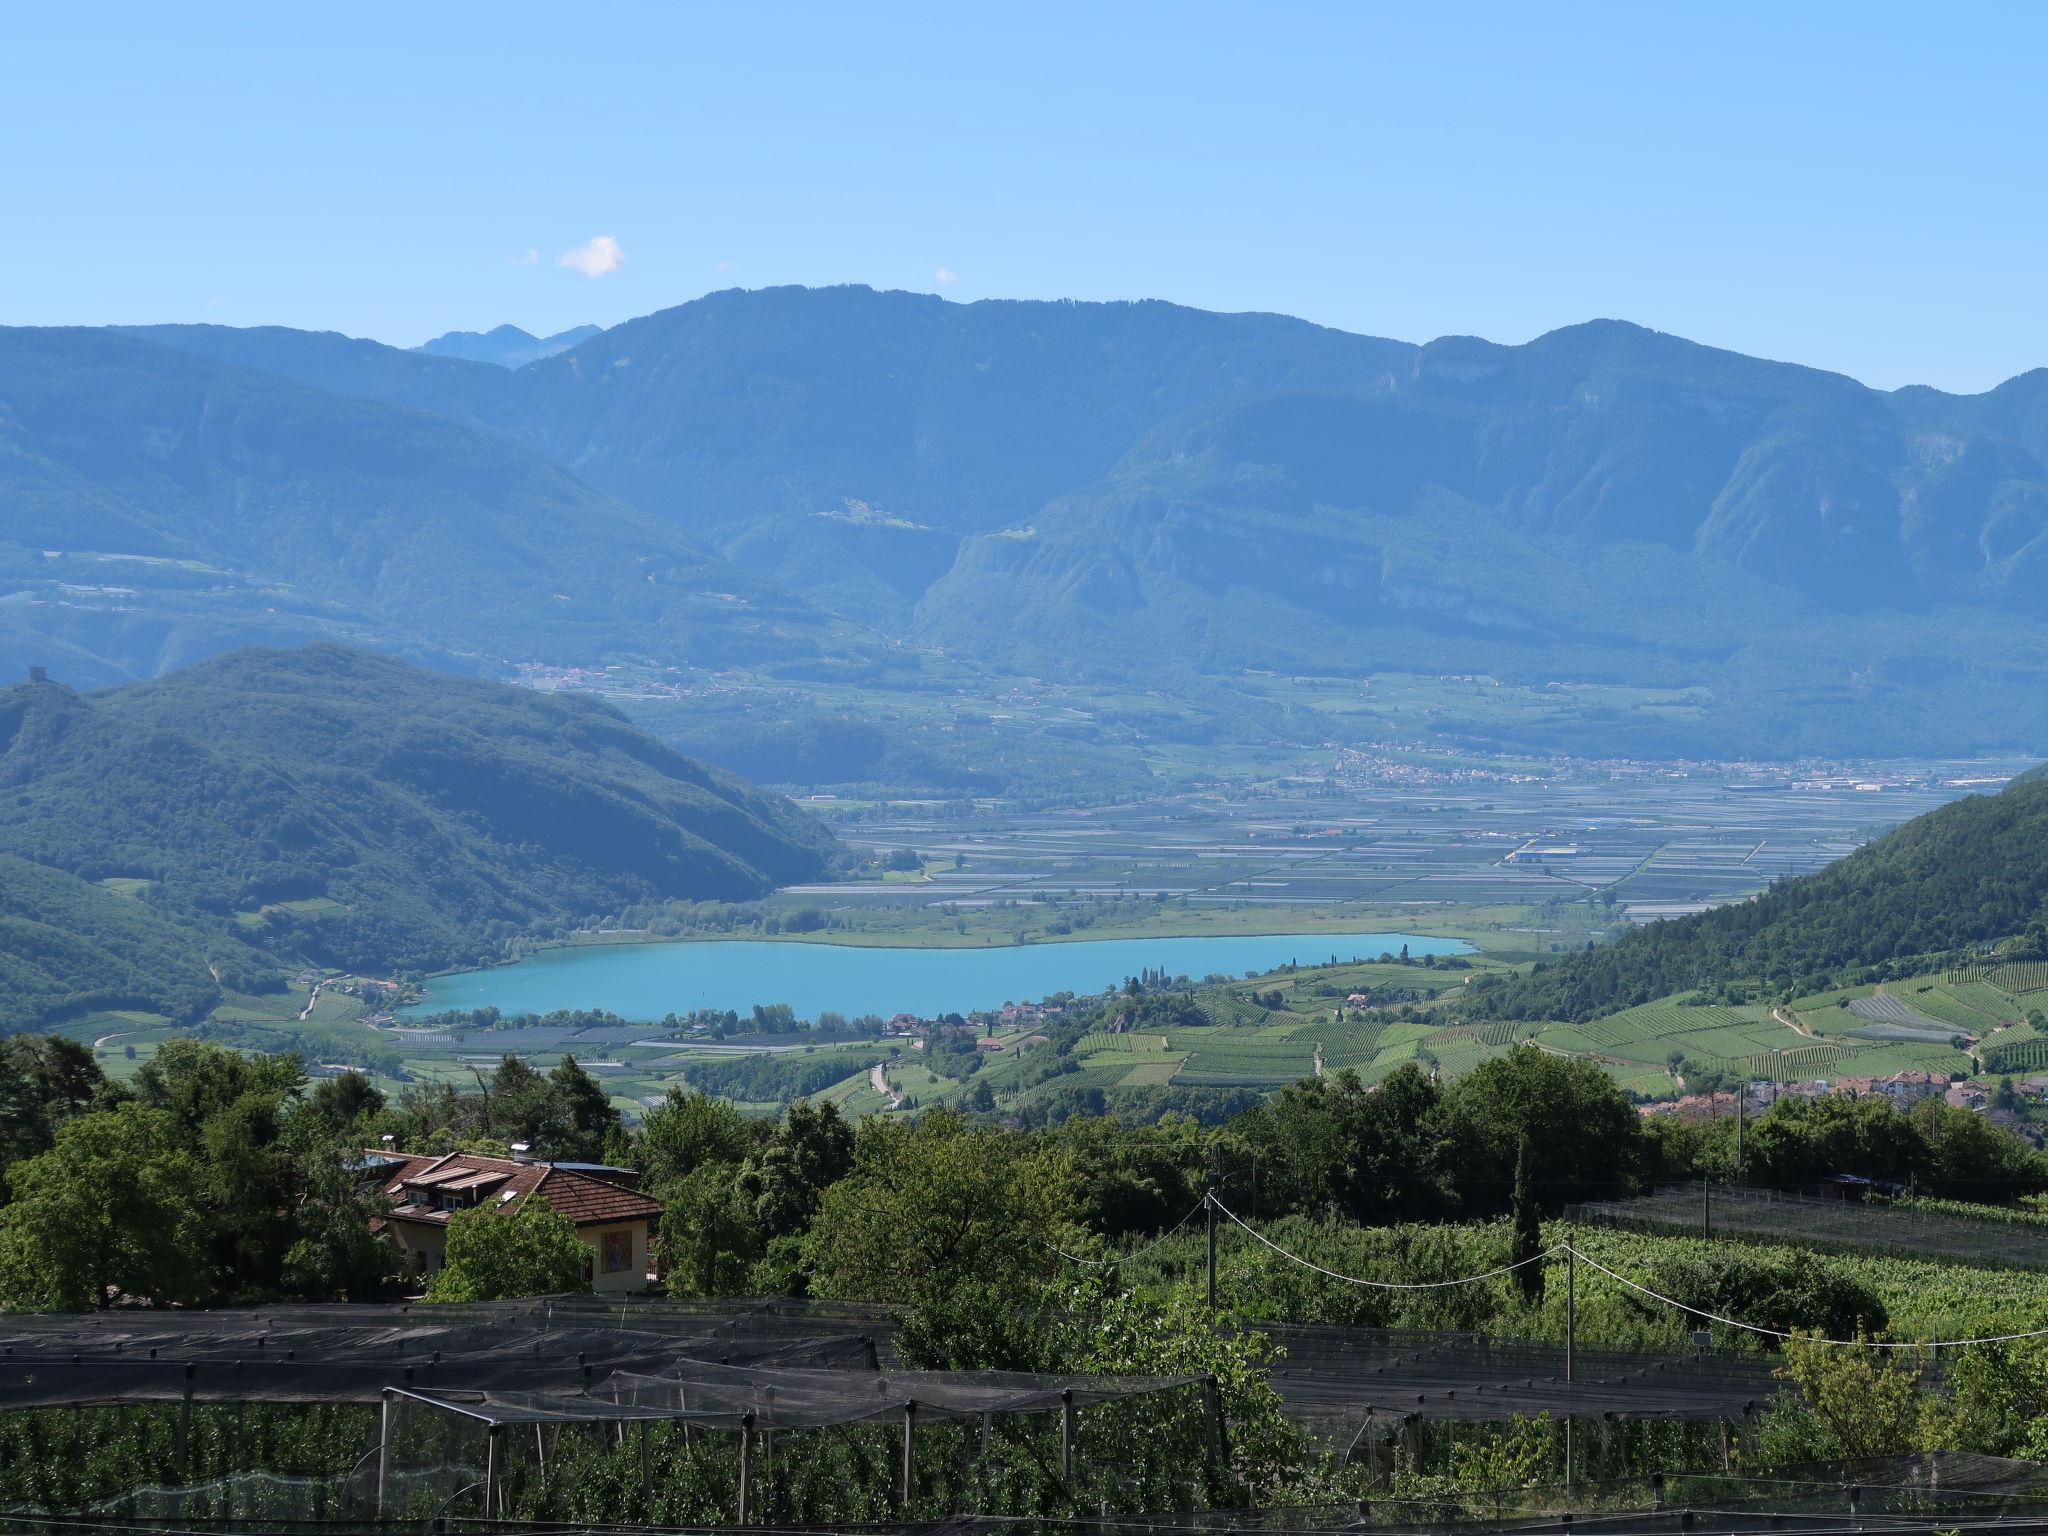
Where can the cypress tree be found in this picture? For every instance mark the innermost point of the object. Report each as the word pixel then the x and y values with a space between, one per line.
pixel 1528 1227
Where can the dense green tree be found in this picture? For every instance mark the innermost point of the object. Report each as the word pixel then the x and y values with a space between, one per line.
pixel 230 1109
pixel 710 1240
pixel 811 1150
pixel 348 1104
pixel 108 1211
pixel 932 1205
pixel 1585 1139
pixel 687 1129
pixel 333 1254
pixel 532 1251
pixel 45 1080
pixel 579 1117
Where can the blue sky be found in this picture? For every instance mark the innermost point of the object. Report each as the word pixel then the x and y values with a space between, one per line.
pixel 1854 186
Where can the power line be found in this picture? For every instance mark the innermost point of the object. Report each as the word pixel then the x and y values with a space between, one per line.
pixel 1780 1333
pixel 1383 1285
pixel 1125 1258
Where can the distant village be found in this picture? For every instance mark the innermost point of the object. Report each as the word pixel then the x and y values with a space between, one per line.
pixel 1903 1089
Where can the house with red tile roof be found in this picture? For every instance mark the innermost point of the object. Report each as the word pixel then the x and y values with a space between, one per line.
pixel 611 1216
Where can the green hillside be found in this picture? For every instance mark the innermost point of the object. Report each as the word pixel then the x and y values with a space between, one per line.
pixel 68 946
pixel 347 809
pixel 1972 872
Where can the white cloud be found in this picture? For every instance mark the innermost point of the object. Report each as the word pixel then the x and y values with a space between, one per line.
pixel 945 275
pixel 525 258
pixel 595 257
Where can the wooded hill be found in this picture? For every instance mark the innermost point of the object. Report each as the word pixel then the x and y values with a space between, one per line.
pixel 333 806
pixel 1974 871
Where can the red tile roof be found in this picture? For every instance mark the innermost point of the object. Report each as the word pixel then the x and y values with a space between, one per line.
pixel 584 1200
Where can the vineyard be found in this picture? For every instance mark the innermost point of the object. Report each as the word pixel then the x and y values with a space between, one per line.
pixel 1924 1298
pixel 1111 1040
pixel 2016 977
pixel 1873 1031
pixel 2017 1050
pixel 1840 1226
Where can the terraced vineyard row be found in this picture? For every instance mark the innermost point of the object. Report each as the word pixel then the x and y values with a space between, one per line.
pixel 1228 1009
pixel 1111 1040
pixel 2019 1055
pixel 2021 977
pixel 2014 976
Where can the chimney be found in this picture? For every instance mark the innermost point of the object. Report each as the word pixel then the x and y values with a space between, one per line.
pixel 39 674
pixel 522 1152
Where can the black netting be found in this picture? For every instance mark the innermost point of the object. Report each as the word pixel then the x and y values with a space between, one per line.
pixel 1357 1373
pixel 1840 1226
pixel 351 1353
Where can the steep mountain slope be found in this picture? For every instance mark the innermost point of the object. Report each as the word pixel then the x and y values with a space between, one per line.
pixel 69 946
pixel 1973 871
pixel 1146 492
pixel 346 808
pixel 163 506
pixel 505 346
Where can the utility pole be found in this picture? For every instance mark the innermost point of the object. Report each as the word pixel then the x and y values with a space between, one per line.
pixel 1209 1205
pixel 1706 1203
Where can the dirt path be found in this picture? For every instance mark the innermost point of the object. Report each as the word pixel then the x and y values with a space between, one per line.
pixel 1790 1020
pixel 1319 1058
pixel 879 1081
pixel 313 1001
pixel 118 1034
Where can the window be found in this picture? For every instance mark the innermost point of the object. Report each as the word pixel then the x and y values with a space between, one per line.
pixel 618 1252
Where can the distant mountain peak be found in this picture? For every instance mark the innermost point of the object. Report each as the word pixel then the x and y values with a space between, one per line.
pixel 506 345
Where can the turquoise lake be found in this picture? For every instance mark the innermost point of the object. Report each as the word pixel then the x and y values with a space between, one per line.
pixel 645 981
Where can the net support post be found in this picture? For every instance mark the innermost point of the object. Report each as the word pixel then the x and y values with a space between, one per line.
pixel 383 1446
pixel 185 1423
pixel 746 1467
pixel 646 1474
pixel 1067 1439
pixel 494 1475
pixel 909 1452
pixel 1219 1426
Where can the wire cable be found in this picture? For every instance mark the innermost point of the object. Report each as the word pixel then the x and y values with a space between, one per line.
pixel 1383 1285
pixel 1125 1258
pixel 1780 1333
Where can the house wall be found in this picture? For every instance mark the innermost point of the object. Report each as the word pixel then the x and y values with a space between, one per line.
pixel 634 1237
pixel 422 1246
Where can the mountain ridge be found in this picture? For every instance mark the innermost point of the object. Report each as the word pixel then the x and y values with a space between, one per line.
pixel 331 806
pixel 1144 492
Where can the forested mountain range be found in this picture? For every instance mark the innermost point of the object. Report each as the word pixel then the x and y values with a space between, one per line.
pixel 1973 872
pixel 272 807
pixel 162 506
pixel 1145 492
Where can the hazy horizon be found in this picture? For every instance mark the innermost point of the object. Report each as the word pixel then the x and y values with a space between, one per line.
pixel 1792 186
